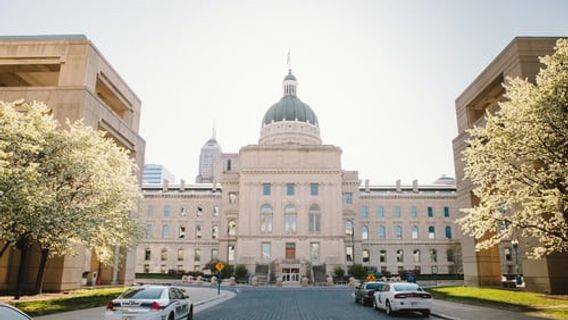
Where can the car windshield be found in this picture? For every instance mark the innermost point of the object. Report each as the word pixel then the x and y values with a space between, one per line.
pixel 143 293
pixel 374 286
pixel 407 287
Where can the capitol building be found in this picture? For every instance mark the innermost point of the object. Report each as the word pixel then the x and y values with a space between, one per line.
pixel 286 209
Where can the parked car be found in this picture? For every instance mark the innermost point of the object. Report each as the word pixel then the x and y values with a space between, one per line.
pixel 151 303
pixel 364 292
pixel 402 296
pixel 7 312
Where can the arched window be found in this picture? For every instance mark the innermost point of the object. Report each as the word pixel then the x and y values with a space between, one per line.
pixel 382 232
pixel 416 255
pixel 433 255
pixel 366 255
pixel 232 228
pixel 290 219
pixel 348 228
pixel 266 218
pixel 314 217
pixel 364 232
pixel 399 255
pixel 198 232
pixel 448 232
pixel 398 232
pixel 414 232
pixel 214 254
pixel 431 232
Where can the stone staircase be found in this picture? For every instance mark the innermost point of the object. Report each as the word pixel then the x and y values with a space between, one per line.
pixel 262 272
pixel 319 274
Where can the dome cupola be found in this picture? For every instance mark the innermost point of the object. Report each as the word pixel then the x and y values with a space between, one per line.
pixel 290 120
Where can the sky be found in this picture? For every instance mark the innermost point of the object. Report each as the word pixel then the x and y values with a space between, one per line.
pixel 382 76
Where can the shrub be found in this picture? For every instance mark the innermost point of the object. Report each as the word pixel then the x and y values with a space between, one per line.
pixel 338 272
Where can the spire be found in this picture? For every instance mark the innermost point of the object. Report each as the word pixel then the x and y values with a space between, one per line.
pixel 214 133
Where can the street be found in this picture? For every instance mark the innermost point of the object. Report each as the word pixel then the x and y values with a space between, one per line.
pixel 295 303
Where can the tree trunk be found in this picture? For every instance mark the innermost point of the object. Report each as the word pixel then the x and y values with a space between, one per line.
pixel 41 271
pixel 24 249
pixel 6 245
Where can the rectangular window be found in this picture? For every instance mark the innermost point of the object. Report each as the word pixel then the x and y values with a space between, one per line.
pixel 314 251
pixel 232 252
pixel 413 212
pixel 396 212
pixel 349 253
pixel 199 211
pixel 265 250
pixel 266 189
pixel 314 189
pixel 290 189
pixel 430 212
pixel 165 231
pixel 380 212
pixel 347 198
pixel 164 255
pixel 198 232
pixel 180 254
pixel 167 211
pixel 383 256
pixel 150 211
pixel 290 223
pixel 446 212
pixel 181 232
pixel 146 268
pixel 232 197
pixel 214 254
pixel 216 211
pixel 197 255
pixel 149 231
pixel 315 222
pixel 364 212
pixel 148 254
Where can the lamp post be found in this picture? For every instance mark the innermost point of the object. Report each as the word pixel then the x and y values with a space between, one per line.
pixel 353 241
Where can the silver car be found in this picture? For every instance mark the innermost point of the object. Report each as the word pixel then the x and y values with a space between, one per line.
pixel 7 312
pixel 151 303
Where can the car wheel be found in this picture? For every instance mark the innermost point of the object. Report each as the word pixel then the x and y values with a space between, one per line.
pixel 362 301
pixel 171 316
pixel 388 309
pixel 356 300
pixel 426 313
pixel 190 314
pixel 375 304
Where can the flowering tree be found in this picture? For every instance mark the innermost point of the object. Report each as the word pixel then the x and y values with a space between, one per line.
pixel 518 164
pixel 62 188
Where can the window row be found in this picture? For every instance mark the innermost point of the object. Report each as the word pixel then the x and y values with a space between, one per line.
pixel 399 255
pixel 182 232
pixel 290 189
pixel 397 212
pixel 397 231
pixel 290 219
pixel 290 251
pixel 183 211
pixel 180 256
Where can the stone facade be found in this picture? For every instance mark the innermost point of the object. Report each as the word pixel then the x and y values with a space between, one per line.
pixel 73 78
pixel 287 210
pixel 518 59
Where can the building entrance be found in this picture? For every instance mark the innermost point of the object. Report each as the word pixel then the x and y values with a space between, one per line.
pixel 290 275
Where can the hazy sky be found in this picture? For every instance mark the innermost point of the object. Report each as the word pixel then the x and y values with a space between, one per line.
pixel 382 76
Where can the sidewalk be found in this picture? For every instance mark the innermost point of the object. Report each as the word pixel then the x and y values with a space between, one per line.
pixel 201 297
pixel 458 311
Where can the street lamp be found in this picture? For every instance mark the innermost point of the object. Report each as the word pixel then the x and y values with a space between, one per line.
pixel 515 244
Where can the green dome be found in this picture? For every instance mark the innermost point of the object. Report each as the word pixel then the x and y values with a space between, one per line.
pixel 290 108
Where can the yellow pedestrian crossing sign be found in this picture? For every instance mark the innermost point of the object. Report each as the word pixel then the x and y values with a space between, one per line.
pixel 371 277
pixel 219 266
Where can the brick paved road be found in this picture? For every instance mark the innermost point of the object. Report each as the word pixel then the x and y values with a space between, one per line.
pixel 294 304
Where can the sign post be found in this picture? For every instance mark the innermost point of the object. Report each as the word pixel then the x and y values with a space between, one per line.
pixel 219 266
pixel 371 277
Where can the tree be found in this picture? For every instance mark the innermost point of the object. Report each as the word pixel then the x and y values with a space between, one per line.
pixel 62 188
pixel 518 164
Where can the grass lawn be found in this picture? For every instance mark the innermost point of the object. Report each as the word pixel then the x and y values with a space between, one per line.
pixel 74 300
pixel 533 303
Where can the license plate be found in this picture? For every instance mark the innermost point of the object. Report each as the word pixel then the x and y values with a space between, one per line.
pixel 414 303
pixel 128 318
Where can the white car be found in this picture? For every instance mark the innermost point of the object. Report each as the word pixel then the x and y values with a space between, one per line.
pixel 7 312
pixel 402 296
pixel 151 303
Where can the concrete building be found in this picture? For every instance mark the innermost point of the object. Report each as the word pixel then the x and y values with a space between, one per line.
pixel 286 209
pixel 209 156
pixel 156 174
pixel 72 77
pixel 484 268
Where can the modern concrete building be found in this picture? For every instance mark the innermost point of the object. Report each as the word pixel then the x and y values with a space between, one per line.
pixel 156 174
pixel 72 77
pixel 484 268
pixel 286 209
